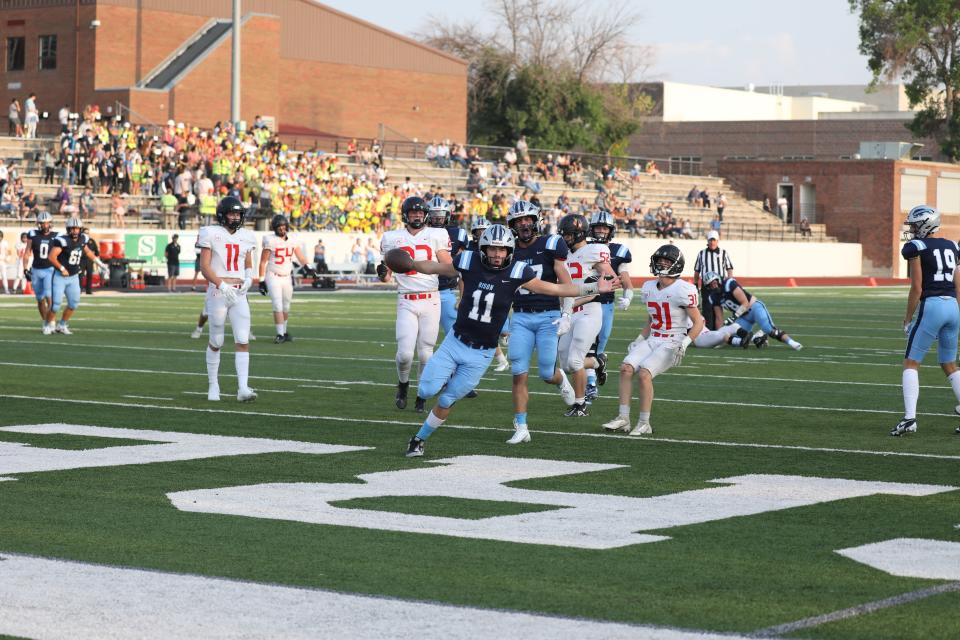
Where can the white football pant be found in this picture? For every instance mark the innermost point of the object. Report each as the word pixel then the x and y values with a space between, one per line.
pixel 218 312
pixel 280 290
pixel 575 344
pixel 418 325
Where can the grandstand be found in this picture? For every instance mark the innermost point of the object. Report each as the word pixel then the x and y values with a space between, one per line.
pixel 743 219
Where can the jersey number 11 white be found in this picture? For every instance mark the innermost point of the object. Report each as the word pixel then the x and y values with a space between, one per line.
pixel 487 306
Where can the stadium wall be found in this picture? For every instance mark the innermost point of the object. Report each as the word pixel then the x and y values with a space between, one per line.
pixel 750 258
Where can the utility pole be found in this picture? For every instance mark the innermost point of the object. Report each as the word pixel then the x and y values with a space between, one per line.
pixel 235 70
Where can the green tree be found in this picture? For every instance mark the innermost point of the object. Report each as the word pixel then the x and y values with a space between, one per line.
pixel 918 41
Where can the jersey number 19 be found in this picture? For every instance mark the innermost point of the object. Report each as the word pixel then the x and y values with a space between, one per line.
pixel 947 258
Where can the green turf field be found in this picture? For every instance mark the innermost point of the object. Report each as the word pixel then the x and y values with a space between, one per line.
pixel 823 412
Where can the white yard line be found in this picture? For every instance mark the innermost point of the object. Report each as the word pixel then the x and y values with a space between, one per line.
pixel 713 443
pixel 147 397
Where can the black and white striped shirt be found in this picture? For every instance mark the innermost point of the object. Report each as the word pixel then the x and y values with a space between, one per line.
pixel 716 260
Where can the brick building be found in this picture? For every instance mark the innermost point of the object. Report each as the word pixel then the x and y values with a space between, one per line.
pixel 862 201
pixel 312 68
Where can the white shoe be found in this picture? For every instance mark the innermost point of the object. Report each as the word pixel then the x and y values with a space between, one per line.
pixel 797 347
pixel 642 429
pixel 65 330
pixel 253 337
pixel 213 393
pixel 46 330
pixel 567 393
pixel 246 395
pixel 617 424
pixel 502 365
pixel 197 333
pixel 520 434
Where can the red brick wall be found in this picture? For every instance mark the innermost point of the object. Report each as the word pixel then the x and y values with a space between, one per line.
pixel 858 200
pixel 417 105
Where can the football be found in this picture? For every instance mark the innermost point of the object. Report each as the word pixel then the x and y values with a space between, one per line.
pixel 398 260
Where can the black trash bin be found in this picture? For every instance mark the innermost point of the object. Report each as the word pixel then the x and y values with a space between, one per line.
pixel 119 277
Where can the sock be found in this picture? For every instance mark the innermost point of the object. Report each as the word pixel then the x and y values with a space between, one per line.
pixel 213 366
pixel 643 416
pixel 954 379
pixel 431 424
pixel 625 411
pixel 242 361
pixel 592 377
pixel 911 391
pixel 279 329
pixel 580 401
pixel 284 327
pixel 403 372
pixel 200 328
pixel 520 418
pixel 792 343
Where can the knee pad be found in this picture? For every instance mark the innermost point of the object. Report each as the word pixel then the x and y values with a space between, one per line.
pixel 405 357
pixel 216 337
pixel 424 354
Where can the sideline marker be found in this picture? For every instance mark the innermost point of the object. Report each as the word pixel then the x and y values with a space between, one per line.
pixel 791 282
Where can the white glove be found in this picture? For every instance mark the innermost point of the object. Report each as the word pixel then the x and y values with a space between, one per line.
pixel 247 283
pixel 742 309
pixel 624 302
pixel 906 327
pixel 229 293
pixel 562 324
pixel 681 350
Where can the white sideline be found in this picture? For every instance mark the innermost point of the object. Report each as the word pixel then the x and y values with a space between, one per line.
pixel 42 597
pixel 298 416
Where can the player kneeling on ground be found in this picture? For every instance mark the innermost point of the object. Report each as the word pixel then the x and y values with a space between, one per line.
pixel 748 310
pixel 276 264
pixel 672 306
pixel 490 279
pixel 226 261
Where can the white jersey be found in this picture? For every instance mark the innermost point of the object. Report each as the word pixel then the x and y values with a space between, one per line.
pixel 667 307
pixel 229 250
pixel 423 246
pixel 281 254
pixel 582 263
pixel 5 256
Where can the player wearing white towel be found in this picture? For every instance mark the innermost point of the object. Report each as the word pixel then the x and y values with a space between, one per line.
pixel 226 261
pixel 418 298
pixel 276 265
pixel 674 322
pixel 586 262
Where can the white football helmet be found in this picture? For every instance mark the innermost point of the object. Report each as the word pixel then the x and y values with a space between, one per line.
pixel 921 221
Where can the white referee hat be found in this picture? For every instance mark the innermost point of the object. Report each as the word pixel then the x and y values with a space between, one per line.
pixel 713 235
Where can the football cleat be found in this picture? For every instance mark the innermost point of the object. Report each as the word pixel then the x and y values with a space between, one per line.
pixel 65 330
pixel 577 411
pixel 797 346
pixel 418 405
pixel 520 434
pixel 279 339
pixel 567 393
pixel 618 424
pixel 642 429
pixel 904 426
pixel 287 337
pixel 761 342
pixel 197 333
pixel 471 394
pixel 601 369
pixel 402 395
pixel 414 447
pixel 502 365
pixel 45 330
pixel 213 393
pixel 252 337
pixel 592 393
pixel 956 409
pixel 246 395
pixel 957 432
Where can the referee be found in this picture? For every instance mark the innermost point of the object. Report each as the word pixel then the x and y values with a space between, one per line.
pixel 714 259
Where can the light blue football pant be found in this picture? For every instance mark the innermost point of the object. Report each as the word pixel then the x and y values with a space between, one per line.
pixel 529 331
pixel 937 318
pixel 69 285
pixel 456 365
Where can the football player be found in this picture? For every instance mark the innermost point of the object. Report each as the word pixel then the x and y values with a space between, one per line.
pixel 726 293
pixel 933 299
pixel 276 264
pixel 226 261
pixel 65 257
pixel 490 280
pixel 536 317
pixel 40 271
pixel 418 300
pixel 602 228
pixel 584 315
pixel 439 218
pixel 476 230
pixel 674 322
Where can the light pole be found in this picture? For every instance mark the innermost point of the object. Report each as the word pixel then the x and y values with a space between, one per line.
pixel 235 70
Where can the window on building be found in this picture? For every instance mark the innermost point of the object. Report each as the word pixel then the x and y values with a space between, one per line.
pixel 15 57
pixel 48 52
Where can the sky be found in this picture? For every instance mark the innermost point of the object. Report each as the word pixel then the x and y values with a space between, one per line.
pixel 732 43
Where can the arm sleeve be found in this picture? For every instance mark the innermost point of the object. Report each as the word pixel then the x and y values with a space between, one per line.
pixel 727 262
pixel 698 264
pixel 909 251
pixel 462 262
pixel 526 275
pixel 203 239
pixel 624 254
pixel 558 248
